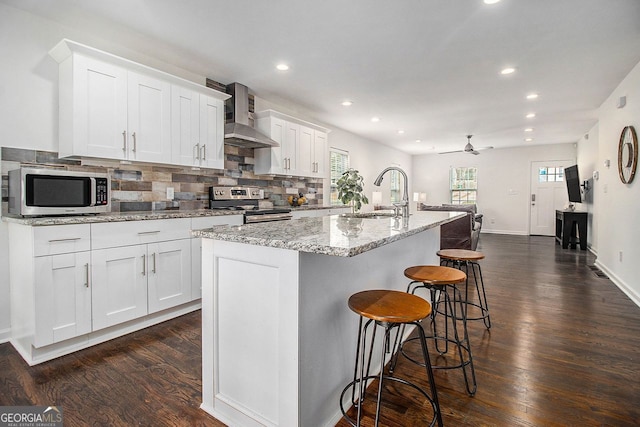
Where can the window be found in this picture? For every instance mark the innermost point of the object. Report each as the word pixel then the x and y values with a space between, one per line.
pixel 339 164
pixel 547 174
pixel 463 184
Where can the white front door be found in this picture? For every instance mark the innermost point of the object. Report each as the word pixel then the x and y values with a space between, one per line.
pixel 548 193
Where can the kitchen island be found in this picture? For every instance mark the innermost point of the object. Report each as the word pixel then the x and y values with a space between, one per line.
pixel 278 339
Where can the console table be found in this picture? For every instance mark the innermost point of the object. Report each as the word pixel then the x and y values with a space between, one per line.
pixel 571 228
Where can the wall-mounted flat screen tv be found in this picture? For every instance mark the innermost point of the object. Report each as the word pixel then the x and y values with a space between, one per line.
pixel 573 183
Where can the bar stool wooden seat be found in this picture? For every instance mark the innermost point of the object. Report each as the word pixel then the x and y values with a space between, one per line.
pixel 466 260
pixel 387 309
pixel 441 281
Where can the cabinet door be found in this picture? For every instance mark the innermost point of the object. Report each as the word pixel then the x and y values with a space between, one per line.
pixel 320 149
pixel 185 126
pixel 119 285
pixel 149 119
pixel 290 147
pixel 98 115
pixel 169 274
pixel 305 152
pixel 211 132
pixel 62 297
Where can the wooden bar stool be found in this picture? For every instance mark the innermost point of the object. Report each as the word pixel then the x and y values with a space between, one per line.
pixel 463 259
pixel 387 309
pixel 440 280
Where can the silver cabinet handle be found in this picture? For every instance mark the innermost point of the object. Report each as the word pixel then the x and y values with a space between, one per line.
pixel 204 152
pixel 86 270
pixel 134 142
pixel 71 239
pixel 143 233
pixel 144 265
pixel 124 141
pixel 154 263
pixel 197 148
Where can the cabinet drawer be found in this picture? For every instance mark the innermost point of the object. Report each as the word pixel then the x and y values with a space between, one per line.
pixel 115 234
pixel 209 221
pixel 61 239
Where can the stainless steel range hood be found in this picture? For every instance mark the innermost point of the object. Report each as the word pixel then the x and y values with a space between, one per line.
pixel 239 132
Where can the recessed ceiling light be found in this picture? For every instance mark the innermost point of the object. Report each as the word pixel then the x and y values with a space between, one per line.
pixel 528 130
pixel 400 131
pixel 347 103
pixel 528 139
pixel 491 1
pixel 531 115
pixel 282 67
pixel 418 140
pixel 532 96
pixel 375 119
pixel 508 70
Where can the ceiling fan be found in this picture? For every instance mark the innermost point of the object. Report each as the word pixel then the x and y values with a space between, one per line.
pixel 468 148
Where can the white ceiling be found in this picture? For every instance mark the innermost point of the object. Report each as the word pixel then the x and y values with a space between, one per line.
pixel 429 67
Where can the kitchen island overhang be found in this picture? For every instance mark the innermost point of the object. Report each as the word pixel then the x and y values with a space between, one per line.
pixel 278 337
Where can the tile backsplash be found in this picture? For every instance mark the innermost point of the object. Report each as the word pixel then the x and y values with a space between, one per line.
pixel 143 186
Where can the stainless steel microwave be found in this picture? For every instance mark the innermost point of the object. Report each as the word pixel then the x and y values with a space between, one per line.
pixel 40 191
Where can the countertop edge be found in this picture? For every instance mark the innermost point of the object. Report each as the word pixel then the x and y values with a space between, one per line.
pixel 224 235
pixel 116 217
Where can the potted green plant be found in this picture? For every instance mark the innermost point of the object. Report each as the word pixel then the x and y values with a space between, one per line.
pixel 351 189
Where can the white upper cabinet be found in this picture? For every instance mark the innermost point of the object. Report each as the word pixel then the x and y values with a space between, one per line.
pixel 303 146
pixel 149 119
pixel 320 154
pixel 93 109
pixel 114 108
pixel 197 127
pixel 211 132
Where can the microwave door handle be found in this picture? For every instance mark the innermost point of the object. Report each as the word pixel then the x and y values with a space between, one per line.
pixel 93 191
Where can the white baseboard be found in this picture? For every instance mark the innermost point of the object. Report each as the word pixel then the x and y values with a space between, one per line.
pixel 628 290
pixel 510 232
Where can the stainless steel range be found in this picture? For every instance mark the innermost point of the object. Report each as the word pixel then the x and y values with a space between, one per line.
pixel 246 199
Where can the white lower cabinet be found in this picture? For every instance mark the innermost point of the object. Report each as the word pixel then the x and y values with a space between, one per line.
pixel 63 303
pixel 73 286
pixel 168 274
pixel 120 285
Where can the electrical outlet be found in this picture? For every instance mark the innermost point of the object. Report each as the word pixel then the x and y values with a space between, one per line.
pixel 620 255
pixel 493 220
pixel 170 193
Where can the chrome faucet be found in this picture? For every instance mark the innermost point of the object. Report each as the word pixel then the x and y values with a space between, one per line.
pixel 404 204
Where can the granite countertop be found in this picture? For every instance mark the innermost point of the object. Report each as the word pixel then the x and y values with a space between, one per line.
pixel 335 235
pixel 118 217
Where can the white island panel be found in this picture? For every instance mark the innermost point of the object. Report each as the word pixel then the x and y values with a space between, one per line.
pixel 295 352
pixel 250 334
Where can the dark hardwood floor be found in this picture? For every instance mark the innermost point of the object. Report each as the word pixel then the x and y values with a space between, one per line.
pixel 564 350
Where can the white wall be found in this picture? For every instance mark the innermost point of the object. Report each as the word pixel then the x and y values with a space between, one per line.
pixel 503 181
pixel 29 100
pixel 617 205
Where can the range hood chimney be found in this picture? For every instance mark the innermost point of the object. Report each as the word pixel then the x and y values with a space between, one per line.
pixel 238 131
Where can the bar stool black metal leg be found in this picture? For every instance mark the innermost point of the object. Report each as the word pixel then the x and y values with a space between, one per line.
pixel 432 381
pixel 482 296
pixel 464 343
